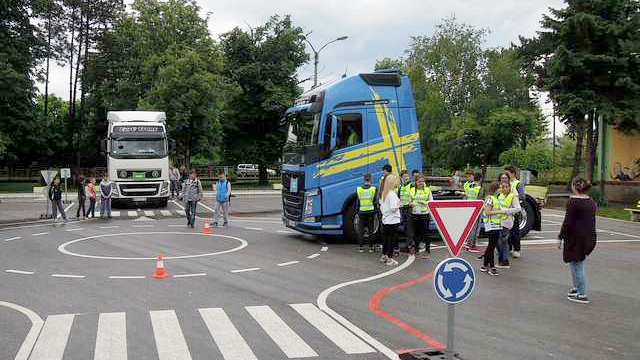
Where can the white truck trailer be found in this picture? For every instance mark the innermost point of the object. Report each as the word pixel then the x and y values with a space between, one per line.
pixel 138 157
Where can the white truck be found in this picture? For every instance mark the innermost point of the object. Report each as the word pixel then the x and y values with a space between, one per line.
pixel 138 157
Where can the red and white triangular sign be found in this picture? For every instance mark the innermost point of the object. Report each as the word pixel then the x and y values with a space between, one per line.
pixel 455 220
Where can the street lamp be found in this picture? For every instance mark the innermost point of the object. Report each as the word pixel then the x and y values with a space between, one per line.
pixel 316 53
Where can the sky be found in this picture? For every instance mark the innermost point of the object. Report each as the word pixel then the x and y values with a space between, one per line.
pixel 375 28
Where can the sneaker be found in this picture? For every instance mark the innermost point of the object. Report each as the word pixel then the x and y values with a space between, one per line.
pixel 214 224
pixel 493 272
pixel 476 250
pixel 391 262
pixel 426 254
pixel 371 249
pixel 422 246
pixel 412 250
pixel 579 298
pixel 361 249
pixel 503 264
pixel 573 292
pixel 516 254
pixel 484 268
pixel 383 258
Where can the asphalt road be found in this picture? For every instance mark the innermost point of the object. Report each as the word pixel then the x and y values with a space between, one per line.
pixel 256 290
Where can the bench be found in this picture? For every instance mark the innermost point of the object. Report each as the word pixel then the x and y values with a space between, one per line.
pixel 635 213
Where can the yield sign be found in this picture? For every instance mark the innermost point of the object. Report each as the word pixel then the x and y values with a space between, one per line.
pixel 455 220
pixel 48 175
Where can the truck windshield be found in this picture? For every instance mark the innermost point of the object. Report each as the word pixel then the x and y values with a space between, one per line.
pixel 303 128
pixel 138 148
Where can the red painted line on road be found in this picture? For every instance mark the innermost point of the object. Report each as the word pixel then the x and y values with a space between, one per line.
pixel 374 306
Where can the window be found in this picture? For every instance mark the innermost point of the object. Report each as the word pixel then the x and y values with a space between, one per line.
pixel 326 139
pixel 349 130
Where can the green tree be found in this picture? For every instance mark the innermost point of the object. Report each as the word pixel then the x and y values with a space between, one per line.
pixel 260 65
pixel 586 57
pixel 537 156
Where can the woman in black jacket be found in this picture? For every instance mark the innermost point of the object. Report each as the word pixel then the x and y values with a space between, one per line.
pixel 579 235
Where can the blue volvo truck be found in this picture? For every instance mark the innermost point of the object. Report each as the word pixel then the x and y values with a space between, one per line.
pixel 336 134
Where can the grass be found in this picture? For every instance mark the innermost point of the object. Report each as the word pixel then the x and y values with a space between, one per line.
pixel 17 187
pixel 614 212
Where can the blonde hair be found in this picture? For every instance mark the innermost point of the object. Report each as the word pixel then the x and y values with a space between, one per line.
pixel 391 182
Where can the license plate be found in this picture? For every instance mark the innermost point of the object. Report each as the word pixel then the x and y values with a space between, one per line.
pixel 139 199
pixel 294 185
pixel 138 176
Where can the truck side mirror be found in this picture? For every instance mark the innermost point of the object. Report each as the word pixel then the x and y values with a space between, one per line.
pixel 334 132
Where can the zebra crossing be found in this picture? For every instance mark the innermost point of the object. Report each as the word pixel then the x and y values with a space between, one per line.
pixel 133 214
pixel 171 343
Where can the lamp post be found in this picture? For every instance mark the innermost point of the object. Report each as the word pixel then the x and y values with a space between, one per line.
pixel 316 54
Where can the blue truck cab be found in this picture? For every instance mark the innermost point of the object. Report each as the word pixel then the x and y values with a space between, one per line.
pixel 338 132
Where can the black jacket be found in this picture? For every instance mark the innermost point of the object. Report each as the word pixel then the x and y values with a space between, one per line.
pixel 55 193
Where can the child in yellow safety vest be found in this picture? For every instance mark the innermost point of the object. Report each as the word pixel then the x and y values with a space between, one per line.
pixel 518 189
pixel 420 218
pixel 472 188
pixel 406 194
pixel 366 212
pixel 504 204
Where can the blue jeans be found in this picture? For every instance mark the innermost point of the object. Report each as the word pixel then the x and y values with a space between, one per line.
pixel 57 206
pixel 190 211
pixel 578 276
pixel 105 207
pixel 503 244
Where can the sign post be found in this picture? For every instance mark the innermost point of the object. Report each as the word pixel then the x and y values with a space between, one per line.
pixel 65 173
pixel 48 176
pixel 454 278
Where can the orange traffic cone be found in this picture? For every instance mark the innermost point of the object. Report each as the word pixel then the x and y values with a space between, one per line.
pixel 160 272
pixel 207 227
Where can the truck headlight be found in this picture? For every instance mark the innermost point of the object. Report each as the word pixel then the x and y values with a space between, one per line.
pixel 308 208
pixel 165 186
pixel 115 192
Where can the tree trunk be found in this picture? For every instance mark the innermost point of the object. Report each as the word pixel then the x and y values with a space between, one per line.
pixel 579 144
pixel 72 27
pixel 589 148
pixel 75 80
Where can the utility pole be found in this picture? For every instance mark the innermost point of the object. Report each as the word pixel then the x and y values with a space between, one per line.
pixel 316 55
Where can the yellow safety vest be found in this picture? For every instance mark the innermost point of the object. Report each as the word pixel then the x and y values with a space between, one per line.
pixel 471 190
pixel 365 197
pixel 421 195
pixel 406 194
pixel 496 219
pixel 505 203
pixel 514 186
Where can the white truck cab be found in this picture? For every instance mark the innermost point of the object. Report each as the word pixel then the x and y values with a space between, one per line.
pixel 138 157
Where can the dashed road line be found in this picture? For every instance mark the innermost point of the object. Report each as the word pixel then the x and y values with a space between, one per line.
pixel 189 275
pixel 175 225
pixel 68 276
pixel 324 248
pixel 143 226
pixel 313 256
pixel 132 213
pixel 40 234
pixel 76 229
pixel 110 227
pixel 254 228
pixel 285 232
pixel 20 272
pixel 13 238
pixel 127 277
pixel 288 263
pixel 244 270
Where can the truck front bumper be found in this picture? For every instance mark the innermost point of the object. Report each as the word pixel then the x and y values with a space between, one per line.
pixel 314 228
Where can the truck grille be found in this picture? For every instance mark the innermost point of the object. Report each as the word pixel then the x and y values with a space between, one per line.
pixel 292 203
pixel 139 189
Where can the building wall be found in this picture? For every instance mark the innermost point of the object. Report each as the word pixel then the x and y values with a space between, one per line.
pixel 620 152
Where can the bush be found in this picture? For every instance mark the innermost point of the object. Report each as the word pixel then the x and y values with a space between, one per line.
pixel 537 156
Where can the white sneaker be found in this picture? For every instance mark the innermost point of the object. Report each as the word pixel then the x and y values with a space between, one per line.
pixel 516 254
pixel 383 258
pixel 391 262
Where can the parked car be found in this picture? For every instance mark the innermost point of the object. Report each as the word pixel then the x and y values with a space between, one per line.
pixel 245 170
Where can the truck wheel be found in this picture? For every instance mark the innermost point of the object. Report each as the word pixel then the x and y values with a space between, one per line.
pixel 163 203
pixel 527 217
pixel 351 224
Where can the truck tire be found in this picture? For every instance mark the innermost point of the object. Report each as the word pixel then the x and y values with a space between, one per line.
pixel 528 216
pixel 350 224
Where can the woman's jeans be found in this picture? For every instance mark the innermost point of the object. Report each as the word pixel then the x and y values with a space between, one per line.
pixel 578 276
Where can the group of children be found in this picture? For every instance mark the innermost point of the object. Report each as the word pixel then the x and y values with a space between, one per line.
pixel 402 202
pixel 86 189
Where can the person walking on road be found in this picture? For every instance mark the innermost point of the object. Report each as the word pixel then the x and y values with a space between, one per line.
pixel 90 189
pixel 366 212
pixel 82 196
pixel 223 195
pixel 509 205
pixel 55 195
pixel 518 189
pixel 174 178
pixel 420 217
pixel 106 190
pixel 191 194
pixel 492 226
pixel 578 233
pixel 390 208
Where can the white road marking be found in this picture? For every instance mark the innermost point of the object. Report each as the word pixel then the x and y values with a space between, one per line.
pixel 174 225
pixel 254 228
pixel 13 238
pixel 206 207
pixel 165 212
pixel 226 336
pixel 111 340
pixel 143 226
pixel 322 304
pixel 245 270
pixel 20 272
pixel 127 277
pixel 40 234
pixel 132 213
pixel 622 234
pixel 32 335
pixel 65 210
pixel 553 215
pixel 288 263
pixel 109 227
pixel 289 342
pixel 68 276
pixel 189 275
pixel 313 256
pixel 149 213
pixel 115 213
pixel 335 332
pixel 76 229
pixel 285 232
pixel 170 341
pixel 324 248
pixel 53 338
pixel 533 237
pixel 551 222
